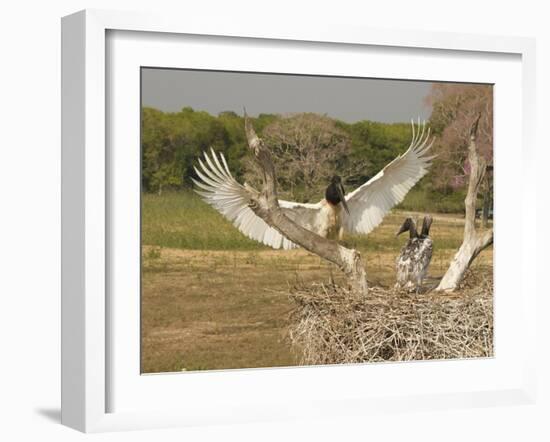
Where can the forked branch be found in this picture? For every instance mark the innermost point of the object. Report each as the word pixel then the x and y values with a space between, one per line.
pixel 265 204
pixel 474 241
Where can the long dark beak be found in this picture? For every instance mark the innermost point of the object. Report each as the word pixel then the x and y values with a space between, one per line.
pixel 343 198
pixel 401 230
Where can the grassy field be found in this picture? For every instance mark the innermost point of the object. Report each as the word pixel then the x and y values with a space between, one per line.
pixel 213 299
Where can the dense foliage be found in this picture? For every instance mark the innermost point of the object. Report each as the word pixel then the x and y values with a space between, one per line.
pixel 319 146
pixel 455 107
pixel 309 148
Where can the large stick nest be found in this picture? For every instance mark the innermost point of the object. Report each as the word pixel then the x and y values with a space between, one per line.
pixel 331 325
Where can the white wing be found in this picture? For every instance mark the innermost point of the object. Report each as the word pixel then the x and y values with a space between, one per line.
pixel 369 203
pixel 219 189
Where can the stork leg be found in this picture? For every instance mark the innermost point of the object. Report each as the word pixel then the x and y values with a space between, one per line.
pixel 397 287
pixel 331 275
pixel 419 284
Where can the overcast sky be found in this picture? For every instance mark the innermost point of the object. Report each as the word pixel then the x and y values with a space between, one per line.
pixel 348 99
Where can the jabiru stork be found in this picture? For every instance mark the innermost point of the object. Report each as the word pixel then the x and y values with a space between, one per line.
pixel 413 261
pixel 364 208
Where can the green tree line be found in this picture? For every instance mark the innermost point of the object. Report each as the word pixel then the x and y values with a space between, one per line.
pixel 172 142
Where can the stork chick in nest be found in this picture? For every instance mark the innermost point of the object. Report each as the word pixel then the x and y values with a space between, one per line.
pixel 413 261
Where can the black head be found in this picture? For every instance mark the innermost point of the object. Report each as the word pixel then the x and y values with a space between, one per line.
pixel 410 226
pixel 335 193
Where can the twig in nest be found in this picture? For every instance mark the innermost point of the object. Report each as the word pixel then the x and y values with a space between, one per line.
pixel 331 325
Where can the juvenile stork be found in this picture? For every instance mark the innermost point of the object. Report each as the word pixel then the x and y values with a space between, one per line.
pixel 413 261
pixel 364 208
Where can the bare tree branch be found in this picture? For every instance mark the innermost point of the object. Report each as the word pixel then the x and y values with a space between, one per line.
pixel 265 204
pixel 474 242
pixel 306 150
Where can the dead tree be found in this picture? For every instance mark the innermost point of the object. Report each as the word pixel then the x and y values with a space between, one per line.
pixel 265 204
pixel 474 241
pixel 487 189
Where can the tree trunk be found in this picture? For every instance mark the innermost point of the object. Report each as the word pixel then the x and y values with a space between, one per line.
pixel 486 202
pixel 474 242
pixel 265 204
pixel 467 252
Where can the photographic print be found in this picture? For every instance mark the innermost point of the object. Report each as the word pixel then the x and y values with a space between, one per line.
pixel 291 220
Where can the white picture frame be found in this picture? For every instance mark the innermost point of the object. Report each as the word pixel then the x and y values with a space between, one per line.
pixel 87 208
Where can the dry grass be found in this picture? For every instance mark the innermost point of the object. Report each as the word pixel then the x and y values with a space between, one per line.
pixel 331 325
pixel 211 299
pixel 204 310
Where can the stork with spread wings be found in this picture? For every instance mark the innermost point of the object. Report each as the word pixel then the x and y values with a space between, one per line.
pixel 364 208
